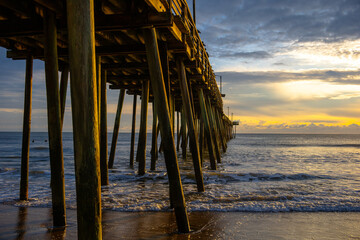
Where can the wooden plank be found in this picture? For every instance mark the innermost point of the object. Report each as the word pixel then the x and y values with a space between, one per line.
pixel 24 180
pixel 156 5
pixel 161 102
pixel 176 32
pixel 80 15
pixel 54 121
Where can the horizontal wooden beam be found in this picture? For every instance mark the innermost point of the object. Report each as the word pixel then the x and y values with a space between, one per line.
pixel 143 66
pixel 53 5
pixel 128 78
pixel 20 7
pixel 122 66
pixel 114 22
pixel 63 52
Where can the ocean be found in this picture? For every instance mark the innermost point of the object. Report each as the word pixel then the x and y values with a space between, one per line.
pixel 258 173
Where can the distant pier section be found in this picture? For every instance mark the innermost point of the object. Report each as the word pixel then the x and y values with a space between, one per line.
pixel 149 48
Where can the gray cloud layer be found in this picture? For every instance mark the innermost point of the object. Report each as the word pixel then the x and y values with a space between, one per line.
pixel 233 25
pixel 333 76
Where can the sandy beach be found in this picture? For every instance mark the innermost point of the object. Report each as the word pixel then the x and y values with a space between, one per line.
pixel 36 223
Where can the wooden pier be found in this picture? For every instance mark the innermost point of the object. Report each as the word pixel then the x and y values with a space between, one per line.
pixel 149 48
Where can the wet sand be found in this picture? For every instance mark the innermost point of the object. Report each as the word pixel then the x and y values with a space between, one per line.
pixel 36 223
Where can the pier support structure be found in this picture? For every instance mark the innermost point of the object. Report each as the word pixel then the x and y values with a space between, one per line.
pixel 54 120
pixel 208 131
pixel 116 128
pixel 24 180
pixel 81 34
pixel 133 124
pixel 103 131
pixel 141 149
pixel 161 102
pixel 188 114
pixel 154 135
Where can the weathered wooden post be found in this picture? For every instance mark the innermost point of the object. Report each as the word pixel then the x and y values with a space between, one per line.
pixel 54 120
pixel 201 140
pixel 179 130
pixel 116 128
pixel 219 129
pixel 141 149
pixel 24 180
pixel 103 131
pixel 208 133
pixel 132 143
pixel 213 130
pixel 161 102
pixel 183 133
pixel 63 89
pixel 80 16
pixel 154 150
pixel 98 88
pixel 188 110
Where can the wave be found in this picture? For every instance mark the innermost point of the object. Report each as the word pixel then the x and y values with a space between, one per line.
pixel 40 148
pixel 297 145
pixel 2 170
pixel 10 157
pixel 249 177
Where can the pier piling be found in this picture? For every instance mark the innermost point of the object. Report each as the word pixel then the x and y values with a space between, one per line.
pixel 154 150
pixel 133 124
pixel 54 120
pixel 188 114
pixel 152 47
pixel 161 102
pixel 81 34
pixel 207 128
pixel 24 180
pixel 64 79
pixel 141 149
pixel 103 131
pixel 116 128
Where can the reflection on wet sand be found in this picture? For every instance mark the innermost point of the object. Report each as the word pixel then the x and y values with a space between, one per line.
pixel 36 223
pixel 20 229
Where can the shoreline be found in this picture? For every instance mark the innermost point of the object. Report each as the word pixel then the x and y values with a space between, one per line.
pixel 36 223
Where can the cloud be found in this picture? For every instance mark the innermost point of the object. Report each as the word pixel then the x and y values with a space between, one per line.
pixel 269 29
pixel 253 55
pixel 332 76
pixel 311 127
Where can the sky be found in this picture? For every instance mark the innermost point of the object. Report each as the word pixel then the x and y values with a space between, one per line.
pixel 287 66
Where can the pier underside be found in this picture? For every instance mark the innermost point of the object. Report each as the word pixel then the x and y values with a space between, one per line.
pixel 143 47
